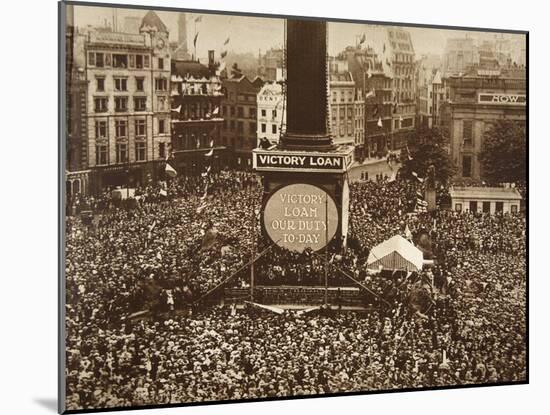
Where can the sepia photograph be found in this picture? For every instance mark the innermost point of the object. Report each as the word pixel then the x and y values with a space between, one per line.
pixel 275 207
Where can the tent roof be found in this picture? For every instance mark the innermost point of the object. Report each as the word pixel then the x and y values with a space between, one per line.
pixel 397 244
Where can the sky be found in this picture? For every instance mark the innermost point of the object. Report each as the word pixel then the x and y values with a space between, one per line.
pixel 251 34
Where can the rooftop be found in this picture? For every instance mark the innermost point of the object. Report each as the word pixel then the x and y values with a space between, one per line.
pixel 506 193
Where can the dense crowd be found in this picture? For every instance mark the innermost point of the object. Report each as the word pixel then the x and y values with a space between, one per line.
pixel 170 251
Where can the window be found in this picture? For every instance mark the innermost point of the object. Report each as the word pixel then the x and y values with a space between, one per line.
pixel 161 63
pixel 458 207
pixel 240 126
pixel 396 124
pixel 120 128
pixel 161 84
pixel 100 129
pixel 91 58
pixel 514 208
pixel 99 61
pixel 121 104
pixel 140 103
pixel 100 104
pixel 145 61
pixel 161 103
pixel 139 61
pixel 467 127
pixel 263 127
pixel 121 84
pixel 466 166
pixel 240 112
pixel 140 128
pixel 232 111
pixel 101 155
pixel 162 150
pixel 252 127
pixel 473 206
pixel 252 112
pixel 162 126
pixel 122 153
pixel 120 61
pixel 499 206
pixel 274 128
pixel 100 84
pixel 139 84
pixel 140 151
pixel 232 125
pixel 486 207
pixel 263 113
pixel 274 113
pixel 132 63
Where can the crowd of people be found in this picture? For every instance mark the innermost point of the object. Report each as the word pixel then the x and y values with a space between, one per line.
pixel 137 332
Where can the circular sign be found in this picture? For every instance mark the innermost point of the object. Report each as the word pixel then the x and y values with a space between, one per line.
pixel 300 216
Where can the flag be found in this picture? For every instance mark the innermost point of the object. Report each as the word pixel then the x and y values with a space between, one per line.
pixel 395 105
pixel 223 54
pixel 216 111
pixel 204 174
pixel 209 153
pixel 170 171
pixel 195 39
pixel 211 143
pixel 375 111
pixel 198 143
pixel 226 41
pixel 369 73
pixel 384 48
pixel 388 62
pixel 363 38
pixel 198 19
pixel 400 118
pixel 379 123
pixel 177 109
pixel 371 93
pixel 408 233
pixel 164 193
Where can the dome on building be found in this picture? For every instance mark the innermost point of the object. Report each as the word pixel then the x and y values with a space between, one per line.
pixel 151 21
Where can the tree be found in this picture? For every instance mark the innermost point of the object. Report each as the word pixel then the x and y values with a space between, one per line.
pixel 504 153
pixel 426 147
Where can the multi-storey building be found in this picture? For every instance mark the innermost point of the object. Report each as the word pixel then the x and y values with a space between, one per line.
pixel 342 107
pixel 270 65
pixel 478 99
pixel 196 117
pixel 77 173
pixel 374 84
pixel 460 55
pixel 395 50
pixel 239 112
pixel 430 95
pixel 271 112
pixel 128 105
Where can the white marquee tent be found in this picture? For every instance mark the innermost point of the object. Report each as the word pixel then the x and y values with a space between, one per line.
pixel 396 254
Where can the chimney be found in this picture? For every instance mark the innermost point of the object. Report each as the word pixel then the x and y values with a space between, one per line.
pixel 307 103
pixel 210 58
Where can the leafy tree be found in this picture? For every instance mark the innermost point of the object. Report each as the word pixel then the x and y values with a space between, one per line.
pixel 426 147
pixel 504 152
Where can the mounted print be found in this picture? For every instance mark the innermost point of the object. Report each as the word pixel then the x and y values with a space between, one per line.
pixel 261 207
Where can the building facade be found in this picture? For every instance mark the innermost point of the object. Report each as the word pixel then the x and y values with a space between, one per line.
pixel 196 95
pixel 128 104
pixel 476 101
pixel 271 112
pixel 431 94
pixel 342 106
pixel 239 113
